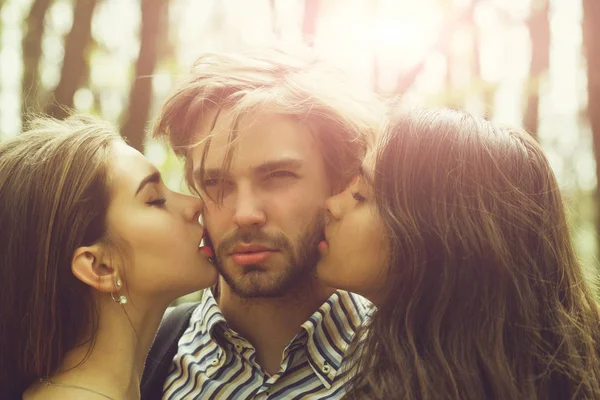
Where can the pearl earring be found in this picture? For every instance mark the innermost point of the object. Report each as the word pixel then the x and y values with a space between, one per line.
pixel 122 299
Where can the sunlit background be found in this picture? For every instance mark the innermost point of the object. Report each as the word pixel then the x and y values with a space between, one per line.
pixel 490 57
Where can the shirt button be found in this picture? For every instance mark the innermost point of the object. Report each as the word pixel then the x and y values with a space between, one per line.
pixel 326 369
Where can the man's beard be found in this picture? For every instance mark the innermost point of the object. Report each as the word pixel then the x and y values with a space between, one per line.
pixel 296 274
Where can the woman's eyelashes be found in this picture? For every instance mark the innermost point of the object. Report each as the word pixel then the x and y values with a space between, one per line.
pixel 157 202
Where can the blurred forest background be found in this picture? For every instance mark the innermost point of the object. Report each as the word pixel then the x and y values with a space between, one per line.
pixel 527 62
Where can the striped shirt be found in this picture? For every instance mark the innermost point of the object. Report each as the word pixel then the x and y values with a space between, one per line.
pixel 215 362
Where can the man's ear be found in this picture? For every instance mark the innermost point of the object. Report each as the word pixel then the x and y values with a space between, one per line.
pixel 88 267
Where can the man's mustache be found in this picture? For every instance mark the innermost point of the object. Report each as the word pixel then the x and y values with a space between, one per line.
pixel 260 237
pixel 257 236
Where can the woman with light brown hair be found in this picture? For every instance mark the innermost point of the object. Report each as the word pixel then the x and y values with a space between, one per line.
pixel 456 231
pixel 93 248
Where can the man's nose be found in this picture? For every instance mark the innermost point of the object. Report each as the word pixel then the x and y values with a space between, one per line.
pixel 249 209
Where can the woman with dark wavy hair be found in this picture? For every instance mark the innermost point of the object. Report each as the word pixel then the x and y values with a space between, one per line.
pixel 456 231
pixel 93 248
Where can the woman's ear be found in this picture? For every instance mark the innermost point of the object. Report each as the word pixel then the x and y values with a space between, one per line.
pixel 89 266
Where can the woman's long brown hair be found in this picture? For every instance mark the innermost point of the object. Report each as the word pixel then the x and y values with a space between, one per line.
pixel 486 298
pixel 53 198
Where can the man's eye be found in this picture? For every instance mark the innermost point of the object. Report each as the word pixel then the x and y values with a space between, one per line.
pixel 212 182
pixel 358 197
pixel 281 174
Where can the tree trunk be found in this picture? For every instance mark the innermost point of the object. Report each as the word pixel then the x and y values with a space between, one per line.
pixel 375 68
pixel 32 52
pixel 591 22
pixel 74 69
pixel 539 33
pixel 274 20
pixel 2 2
pixel 309 23
pixel 450 91
pixel 140 96
pixel 486 91
pixel 441 45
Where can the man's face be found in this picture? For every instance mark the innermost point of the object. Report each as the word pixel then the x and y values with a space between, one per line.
pixel 266 227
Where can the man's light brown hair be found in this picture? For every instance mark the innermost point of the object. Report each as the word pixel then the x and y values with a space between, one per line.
pixel 343 115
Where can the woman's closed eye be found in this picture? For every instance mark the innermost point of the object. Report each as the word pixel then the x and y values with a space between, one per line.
pixel 358 197
pixel 157 202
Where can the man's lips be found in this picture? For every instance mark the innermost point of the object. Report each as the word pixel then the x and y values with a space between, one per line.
pixel 251 254
pixel 249 248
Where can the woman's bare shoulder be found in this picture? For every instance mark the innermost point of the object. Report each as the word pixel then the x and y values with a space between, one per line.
pixel 39 391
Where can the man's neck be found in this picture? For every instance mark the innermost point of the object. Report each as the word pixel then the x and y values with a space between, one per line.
pixel 116 360
pixel 269 324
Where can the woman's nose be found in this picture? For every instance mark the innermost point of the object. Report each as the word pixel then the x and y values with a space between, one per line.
pixel 193 208
pixel 333 205
pixel 336 204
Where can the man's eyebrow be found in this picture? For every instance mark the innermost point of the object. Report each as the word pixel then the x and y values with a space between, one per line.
pixel 287 163
pixel 210 173
pixel 152 178
pixel 264 168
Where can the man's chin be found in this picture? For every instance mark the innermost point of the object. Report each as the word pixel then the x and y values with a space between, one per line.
pixel 255 288
pixel 256 281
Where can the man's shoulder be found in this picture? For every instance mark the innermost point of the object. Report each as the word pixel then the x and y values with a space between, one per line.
pixel 176 315
pixel 354 303
pixel 174 323
pixel 342 314
pixel 190 312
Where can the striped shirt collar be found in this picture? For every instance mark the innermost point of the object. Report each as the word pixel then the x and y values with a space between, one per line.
pixel 326 334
